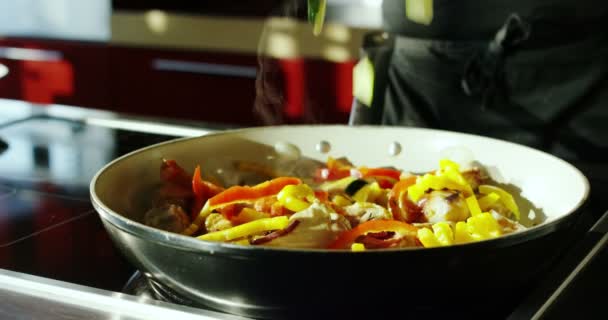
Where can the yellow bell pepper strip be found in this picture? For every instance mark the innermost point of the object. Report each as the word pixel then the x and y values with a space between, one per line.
pixel 296 197
pixel 461 233
pixel 243 193
pixel 357 247
pixel 347 238
pixel 447 164
pixel 443 232
pixel 505 197
pixel 442 235
pixel 369 193
pixel 451 171
pixel 247 215
pixel 487 201
pixel 239 194
pixel 434 182
pixel 340 184
pixel 340 201
pixel 448 177
pixel 247 229
pixel 242 242
pixel 483 226
pixel 480 227
pixel 473 205
pixel 428 238
pixel 275 234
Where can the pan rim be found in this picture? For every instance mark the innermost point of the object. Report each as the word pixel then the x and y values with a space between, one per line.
pixel 188 243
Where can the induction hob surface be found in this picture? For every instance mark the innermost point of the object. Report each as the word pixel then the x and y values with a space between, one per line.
pixel 48 226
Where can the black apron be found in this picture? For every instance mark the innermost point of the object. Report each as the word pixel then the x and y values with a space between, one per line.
pixel 533 82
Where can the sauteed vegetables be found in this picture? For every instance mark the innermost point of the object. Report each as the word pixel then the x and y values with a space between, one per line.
pixel 343 207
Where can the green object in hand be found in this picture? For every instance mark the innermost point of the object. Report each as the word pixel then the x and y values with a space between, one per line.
pixel 316 14
pixel 419 11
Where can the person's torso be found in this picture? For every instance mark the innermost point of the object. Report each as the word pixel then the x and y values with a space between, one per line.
pixel 479 19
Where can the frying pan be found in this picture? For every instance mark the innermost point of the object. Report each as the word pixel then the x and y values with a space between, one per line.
pixel 275 283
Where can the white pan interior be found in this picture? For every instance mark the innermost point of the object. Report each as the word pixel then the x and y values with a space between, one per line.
pixel 553 187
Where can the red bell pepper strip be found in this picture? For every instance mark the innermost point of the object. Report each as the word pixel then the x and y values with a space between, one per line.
pixel 242 193
pixel 399 204
pixel 402 185
pixel 321 195
pixel 385 182
pixel 231 211
pixel 175 182
pixel 380 172
pixel 171 172
pixel 238 194
pixel 203 190
pixel 347 238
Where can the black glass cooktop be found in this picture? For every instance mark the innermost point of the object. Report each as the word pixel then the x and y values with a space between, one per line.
pixel 47 224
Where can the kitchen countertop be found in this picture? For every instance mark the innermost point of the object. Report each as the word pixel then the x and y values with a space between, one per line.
pixel 26 296
pixel 30 297
pixel 16 110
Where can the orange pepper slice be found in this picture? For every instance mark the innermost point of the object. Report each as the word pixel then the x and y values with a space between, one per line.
pixel 347 238
pixel 243 193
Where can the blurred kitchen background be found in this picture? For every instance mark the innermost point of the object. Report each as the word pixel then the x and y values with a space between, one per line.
pixel 184 59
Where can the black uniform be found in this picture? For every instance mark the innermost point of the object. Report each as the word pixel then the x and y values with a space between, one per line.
pixel 529 71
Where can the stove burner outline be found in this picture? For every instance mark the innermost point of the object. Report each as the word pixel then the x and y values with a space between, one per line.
pixel 37 232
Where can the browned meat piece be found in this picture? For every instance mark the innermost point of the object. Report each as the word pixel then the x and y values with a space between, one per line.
pixel 169 217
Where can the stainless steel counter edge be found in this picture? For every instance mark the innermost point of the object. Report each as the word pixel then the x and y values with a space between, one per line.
pixel 16 111
pixel 85 302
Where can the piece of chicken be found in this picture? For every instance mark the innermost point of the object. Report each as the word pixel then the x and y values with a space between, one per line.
pixel 318 227
pixel 217 222
pixel 507 225
pixel 361 212
pixel 444 205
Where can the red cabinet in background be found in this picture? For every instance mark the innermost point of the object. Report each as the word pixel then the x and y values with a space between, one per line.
pixel 209 86
pixel 212 87
pixel 47 71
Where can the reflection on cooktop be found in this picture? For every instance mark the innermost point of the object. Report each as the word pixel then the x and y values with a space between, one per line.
pixel 48 226
pixel 27 213
pixel 64 152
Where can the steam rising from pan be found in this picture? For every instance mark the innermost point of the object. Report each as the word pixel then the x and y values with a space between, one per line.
pixel 270 82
